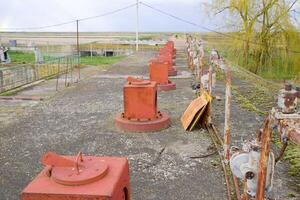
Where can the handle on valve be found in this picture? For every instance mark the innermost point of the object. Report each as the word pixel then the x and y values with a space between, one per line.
pixel 55 160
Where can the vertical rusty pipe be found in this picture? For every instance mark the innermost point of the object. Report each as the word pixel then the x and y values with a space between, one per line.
pixel 236 186
pixel 201 71
pixel 78 51
pixel 209 113
pixel 227 122
pixel 227 181
pixel 263 162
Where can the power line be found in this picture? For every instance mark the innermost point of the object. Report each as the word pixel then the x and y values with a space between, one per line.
pixel 108 13
pixel 39 27
pixel 72 21
pixel 295 11
pixel 205 28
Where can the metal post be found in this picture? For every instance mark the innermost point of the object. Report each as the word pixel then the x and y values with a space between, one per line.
pixel 72 67
pixel 67 69
pixel 210 80
pixel 137 27
pixel 78 51
pixel 227 122
pixel 263 162
pixel 58 72
pixel 91 50
pixel 201 71
pixel 47 48
pixel 209 113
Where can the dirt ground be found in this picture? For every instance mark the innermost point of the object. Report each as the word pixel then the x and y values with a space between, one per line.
pixel 81 118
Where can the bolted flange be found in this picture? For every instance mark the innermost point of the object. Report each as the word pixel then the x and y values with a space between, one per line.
pixel 143 125
pixel 166 87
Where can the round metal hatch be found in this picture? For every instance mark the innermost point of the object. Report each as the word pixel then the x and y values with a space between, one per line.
pixel 144 82
pixel 88 170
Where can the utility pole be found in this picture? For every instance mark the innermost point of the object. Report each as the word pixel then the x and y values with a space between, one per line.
pixel 137 27
pixel 78 52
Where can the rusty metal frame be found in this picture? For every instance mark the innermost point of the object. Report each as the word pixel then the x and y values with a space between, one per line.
pixel 265 139
pixel 227 123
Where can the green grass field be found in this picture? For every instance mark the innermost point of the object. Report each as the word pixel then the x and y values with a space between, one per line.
pixel 28 58
pixel 21 58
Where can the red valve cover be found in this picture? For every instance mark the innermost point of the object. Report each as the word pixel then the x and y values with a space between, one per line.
pixel 101 178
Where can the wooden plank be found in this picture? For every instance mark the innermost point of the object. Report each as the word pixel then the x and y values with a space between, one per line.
pixel 195 111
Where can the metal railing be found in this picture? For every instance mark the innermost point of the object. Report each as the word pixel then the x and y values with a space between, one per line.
pixel 15 76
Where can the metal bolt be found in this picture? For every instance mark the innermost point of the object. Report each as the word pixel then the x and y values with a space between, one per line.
pixel 249 175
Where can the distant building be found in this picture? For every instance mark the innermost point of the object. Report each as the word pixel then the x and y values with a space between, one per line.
pixel 13 43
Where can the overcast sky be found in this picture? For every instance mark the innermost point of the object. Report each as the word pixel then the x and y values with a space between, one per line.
pixel 33 13
pixel 36 13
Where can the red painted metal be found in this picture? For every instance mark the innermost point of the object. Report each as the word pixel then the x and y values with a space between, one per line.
pixel 171 46
pixel 171 70
pixel 167 54
pixel 163 121
pixel 78 177
pixel 159 73
pixel 140 108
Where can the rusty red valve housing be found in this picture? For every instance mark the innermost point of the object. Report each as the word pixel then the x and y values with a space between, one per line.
pixel 167 55
pixel 78 177
pixel 171 47
pixel 287 99
pixel 140 108
pixel 171 70
pixel 159 73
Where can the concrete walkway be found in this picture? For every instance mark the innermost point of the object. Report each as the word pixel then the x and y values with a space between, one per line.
pixel 81 118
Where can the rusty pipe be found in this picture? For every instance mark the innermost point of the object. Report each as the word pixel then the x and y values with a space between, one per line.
pixel 264 155
pixel 236 187
pixel 227 123
pixel 209 127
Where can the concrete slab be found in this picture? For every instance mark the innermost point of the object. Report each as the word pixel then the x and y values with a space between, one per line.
pixel 82 118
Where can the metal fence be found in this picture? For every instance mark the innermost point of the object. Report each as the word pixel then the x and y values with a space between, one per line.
pixel 15 76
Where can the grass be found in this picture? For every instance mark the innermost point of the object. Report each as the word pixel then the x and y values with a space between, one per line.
pixel 292 155
pixel 29 58
pixel 8 93
pixel 245 103
pixel 279 74
pixel 21 57
pixel 100 61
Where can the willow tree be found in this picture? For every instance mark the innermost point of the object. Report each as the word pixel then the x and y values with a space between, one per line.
pixel 274 30
pixel 242 12
pixel 264 25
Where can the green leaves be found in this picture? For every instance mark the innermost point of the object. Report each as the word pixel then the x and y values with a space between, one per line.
pixel 267 34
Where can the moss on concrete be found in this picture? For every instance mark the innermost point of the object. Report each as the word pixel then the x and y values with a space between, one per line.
pixel 245 103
